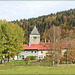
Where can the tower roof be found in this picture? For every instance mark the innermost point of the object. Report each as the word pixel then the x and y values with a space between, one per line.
pixel 35 31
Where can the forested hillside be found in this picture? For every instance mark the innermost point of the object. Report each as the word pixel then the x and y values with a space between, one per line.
pixel 64 19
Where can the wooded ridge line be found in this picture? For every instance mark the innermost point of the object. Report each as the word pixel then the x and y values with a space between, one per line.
pixel 64 19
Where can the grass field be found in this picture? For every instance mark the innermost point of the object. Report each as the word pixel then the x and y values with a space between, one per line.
pixel 23 69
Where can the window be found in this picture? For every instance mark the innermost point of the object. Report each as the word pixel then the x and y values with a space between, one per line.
pixel 20 56
pixel 41 51
pixel 35 37
pixel 31 51
pixel 35 51
pixel 40 57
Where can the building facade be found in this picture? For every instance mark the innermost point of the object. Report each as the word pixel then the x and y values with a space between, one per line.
pixel 34 48
pixel 39 49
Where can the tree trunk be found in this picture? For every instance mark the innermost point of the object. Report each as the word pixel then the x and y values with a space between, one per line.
pixel 54 48
pixel 58 59
pixel 8 57
pixel 4 61
pixel 58 62
pixel 53 63
pixel 17 57
pixel 67 58
pixel 1 61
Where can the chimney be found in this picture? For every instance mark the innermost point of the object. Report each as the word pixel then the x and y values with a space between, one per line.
pixel 45 40
pixel 29 44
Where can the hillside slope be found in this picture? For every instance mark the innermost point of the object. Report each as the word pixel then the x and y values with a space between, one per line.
pixel 64 19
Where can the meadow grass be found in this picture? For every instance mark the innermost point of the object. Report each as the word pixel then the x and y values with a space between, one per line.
pixel 31 69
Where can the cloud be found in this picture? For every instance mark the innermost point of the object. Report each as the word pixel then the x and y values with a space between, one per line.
pixel 12 10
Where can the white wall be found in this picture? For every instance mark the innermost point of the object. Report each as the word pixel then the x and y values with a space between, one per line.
pixel 38 54
pixel 28 53
pixel 63 51
pixel 42 55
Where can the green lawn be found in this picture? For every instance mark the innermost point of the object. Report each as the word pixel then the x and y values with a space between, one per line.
pixel 13 69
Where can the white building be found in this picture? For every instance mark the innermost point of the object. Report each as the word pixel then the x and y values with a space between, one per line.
pixel 37 48
pixel 34 48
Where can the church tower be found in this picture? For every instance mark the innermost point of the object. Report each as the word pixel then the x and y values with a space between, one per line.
pixel 34 36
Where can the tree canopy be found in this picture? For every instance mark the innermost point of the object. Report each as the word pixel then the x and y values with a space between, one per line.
pixel 11 38
pixel 64 19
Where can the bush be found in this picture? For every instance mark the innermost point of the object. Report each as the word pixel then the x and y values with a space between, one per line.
pixel 26 60
pixel 45 63
pixel 32 57
pixel 73 61
pixel 39 60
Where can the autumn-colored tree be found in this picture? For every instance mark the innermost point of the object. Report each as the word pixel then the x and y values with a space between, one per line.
pixel 64 19
pixel 71 55
pixel 12 37
pixel 2 40
pixel 52 34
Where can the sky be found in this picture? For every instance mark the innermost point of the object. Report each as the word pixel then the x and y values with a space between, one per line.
pixel 16 10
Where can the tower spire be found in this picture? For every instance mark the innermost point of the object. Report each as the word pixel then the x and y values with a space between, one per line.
pixel 35 31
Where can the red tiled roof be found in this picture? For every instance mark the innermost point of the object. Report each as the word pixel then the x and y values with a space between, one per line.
pixel 64 44
pixel 36 46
